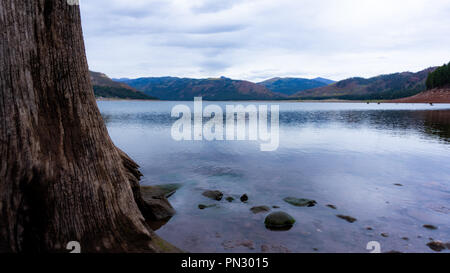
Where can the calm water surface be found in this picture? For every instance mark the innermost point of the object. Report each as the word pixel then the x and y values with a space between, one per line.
pixel 346 154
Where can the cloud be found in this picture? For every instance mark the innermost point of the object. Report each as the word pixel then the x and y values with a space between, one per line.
pixel 259 39
pixel 214 66
pixel 213 6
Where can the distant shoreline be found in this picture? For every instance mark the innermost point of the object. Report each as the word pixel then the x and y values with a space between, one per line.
pixel 121 99
pixel 401 101
pixel 435 96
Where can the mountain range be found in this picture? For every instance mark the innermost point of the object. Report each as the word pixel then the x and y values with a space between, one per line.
pixel 290 86
pixel 384 87
pixel 215 89
pixel 104 87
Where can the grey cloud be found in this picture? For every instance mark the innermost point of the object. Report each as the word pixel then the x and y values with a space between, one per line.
pixel 211 6
pixel 257 39
pixel 213 66
pixel 203 43
pixel 214 29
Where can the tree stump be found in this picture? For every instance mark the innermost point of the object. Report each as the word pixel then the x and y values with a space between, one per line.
pixel 61 177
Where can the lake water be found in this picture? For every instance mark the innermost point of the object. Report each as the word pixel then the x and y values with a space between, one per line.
pixel 346 154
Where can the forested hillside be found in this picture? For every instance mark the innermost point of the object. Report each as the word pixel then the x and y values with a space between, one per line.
pixel 439 78
pixel 384 87
pixel 104 87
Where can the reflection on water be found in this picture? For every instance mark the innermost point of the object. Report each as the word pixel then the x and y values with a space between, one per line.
pixel 438 123
pixel 348 155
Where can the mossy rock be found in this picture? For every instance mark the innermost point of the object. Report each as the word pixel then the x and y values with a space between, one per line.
pixel 169 189
pixel 214 195
pixel 154 205
pixel 230 199
pixel 260 209
pixel 300 202
pixel 279 221
pixel 165 190
pixel 202 206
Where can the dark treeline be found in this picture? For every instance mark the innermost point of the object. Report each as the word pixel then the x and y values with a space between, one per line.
pixel 120 93
pixel 386 95
pixel 439 78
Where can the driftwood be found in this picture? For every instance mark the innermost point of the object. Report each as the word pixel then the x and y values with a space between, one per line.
pixel 61 177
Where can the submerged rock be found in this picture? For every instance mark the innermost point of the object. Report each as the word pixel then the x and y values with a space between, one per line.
pixel 169 189
pixel 280 249
pixel 155 206
pixel 347 218
pixel 437 246
pixel 246 243
pixel 265 248
pixel 260 209
pixel 430 227
pixel 244 198
pixel 233 244
pixel 165 190
pixel 274 249
pixel 300 202
pixel 202 206
pixel 215 195
pixel 218 171
pixel 279 221
pixel 230 199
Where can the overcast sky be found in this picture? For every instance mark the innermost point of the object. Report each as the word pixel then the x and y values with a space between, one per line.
pixel 259 39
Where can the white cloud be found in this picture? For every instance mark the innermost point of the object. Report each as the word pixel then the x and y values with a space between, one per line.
pixel 259 39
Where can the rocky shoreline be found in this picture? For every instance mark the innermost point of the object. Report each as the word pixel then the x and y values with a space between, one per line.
pixel 275 218
pixel 431 96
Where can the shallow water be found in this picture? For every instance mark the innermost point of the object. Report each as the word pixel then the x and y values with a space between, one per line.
pixel 346 154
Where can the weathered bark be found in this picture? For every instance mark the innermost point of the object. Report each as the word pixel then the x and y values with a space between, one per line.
pixel 61 177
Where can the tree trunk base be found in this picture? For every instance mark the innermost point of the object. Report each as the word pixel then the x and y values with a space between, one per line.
pixel 62 179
